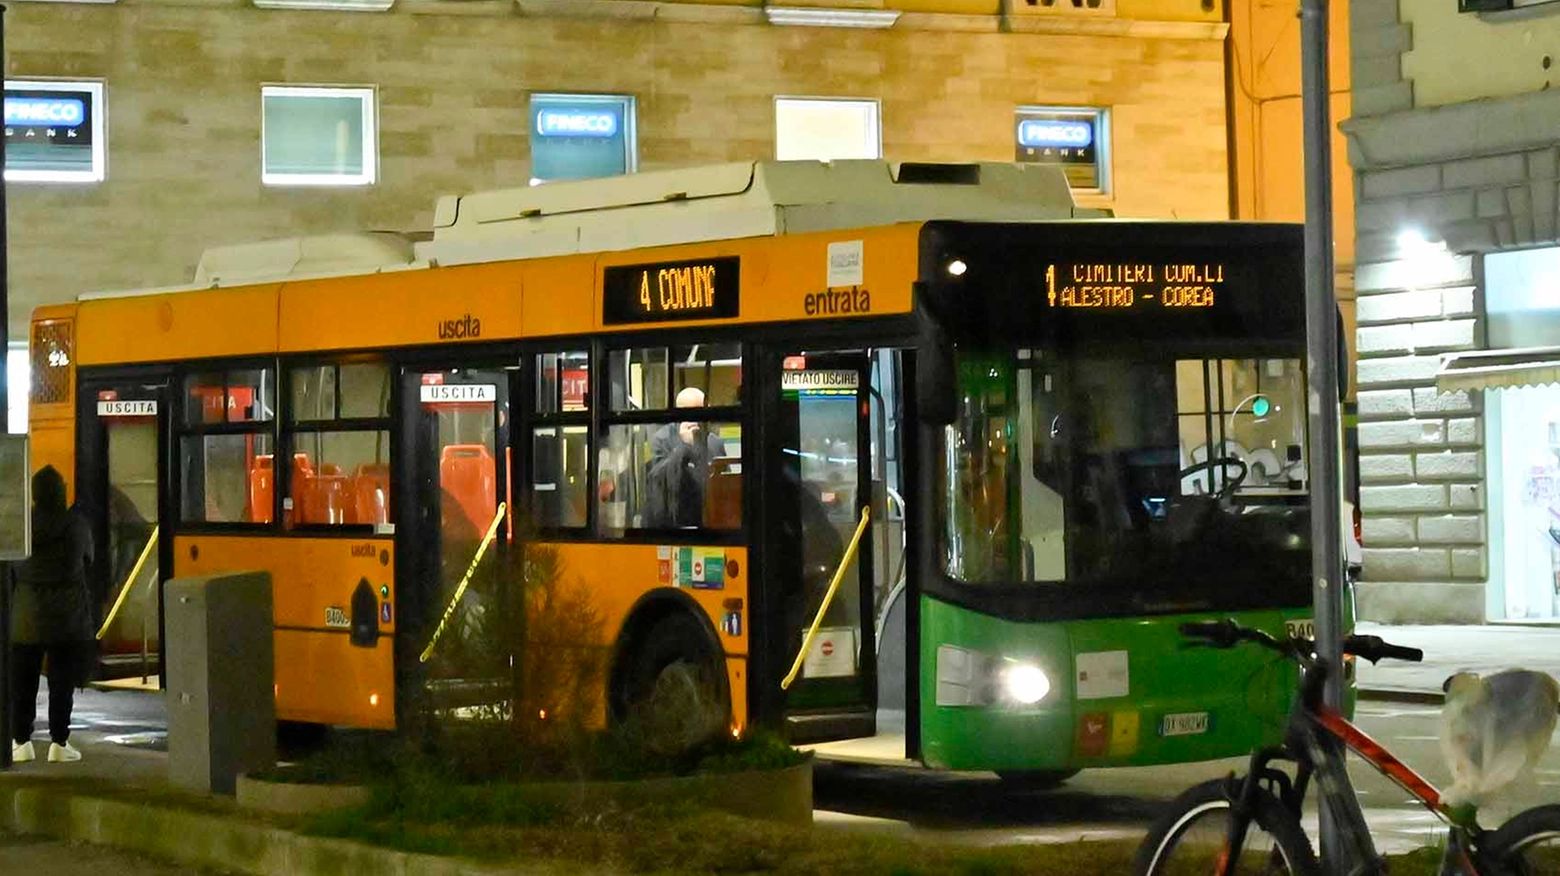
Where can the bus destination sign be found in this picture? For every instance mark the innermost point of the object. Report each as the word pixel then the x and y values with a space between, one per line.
pixel 1119 286
pixel 671 291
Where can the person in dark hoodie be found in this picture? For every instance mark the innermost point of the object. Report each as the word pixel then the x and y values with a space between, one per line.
pixel 51 616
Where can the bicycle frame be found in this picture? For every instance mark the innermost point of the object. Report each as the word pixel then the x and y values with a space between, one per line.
pixel 1315 733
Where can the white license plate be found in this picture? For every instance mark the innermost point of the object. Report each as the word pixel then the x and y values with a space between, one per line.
pixel 1184 724
pixel 1302 629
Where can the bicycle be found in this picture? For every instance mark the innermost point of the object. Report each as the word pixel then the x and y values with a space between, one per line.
pixel 1207 829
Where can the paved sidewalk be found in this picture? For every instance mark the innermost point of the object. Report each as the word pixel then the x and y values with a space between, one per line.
pixel 1483 648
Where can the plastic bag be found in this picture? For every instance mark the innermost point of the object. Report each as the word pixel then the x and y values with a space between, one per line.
pixel 1494 729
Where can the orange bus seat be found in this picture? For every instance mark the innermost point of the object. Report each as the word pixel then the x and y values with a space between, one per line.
pixel 723 495
pixel 330 500
pixel 371 494
pixel 262 488
pixel 467 472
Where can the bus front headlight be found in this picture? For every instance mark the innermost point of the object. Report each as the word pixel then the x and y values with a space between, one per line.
pixel 1025 683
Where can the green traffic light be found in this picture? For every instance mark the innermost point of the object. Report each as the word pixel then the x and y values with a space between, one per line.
pixel 1260 406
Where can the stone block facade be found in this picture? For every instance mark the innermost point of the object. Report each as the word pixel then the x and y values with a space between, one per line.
pixel 1471 178
pixel 453 81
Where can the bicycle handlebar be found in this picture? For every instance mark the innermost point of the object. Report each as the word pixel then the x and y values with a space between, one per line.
pixel 1227 633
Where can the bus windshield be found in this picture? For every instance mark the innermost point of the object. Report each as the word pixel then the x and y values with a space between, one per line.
pixel 1182 478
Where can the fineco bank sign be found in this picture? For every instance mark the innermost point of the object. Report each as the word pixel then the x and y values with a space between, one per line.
pixel 554 122
pixel 45 112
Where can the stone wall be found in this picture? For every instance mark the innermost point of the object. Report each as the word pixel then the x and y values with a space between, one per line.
pixel 1479 176
pixel 183 110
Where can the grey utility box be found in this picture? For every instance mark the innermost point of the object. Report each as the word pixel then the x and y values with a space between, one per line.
pixel 221 699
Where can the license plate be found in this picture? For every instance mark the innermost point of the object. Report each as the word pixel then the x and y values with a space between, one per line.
pixel 1184 724
pixel 1300 629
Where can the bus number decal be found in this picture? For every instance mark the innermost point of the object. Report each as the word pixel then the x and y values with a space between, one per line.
pixel 336 618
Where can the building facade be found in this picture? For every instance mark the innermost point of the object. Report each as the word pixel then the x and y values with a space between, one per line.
pixel 195 155
pixel 1456 172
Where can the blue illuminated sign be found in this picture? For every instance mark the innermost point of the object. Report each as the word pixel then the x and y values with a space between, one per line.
pixel 63 112
pixel 576 123
pixel 1055 133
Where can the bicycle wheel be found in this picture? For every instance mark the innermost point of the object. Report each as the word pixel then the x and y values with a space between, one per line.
pixel 1528 844
pixel 1190 838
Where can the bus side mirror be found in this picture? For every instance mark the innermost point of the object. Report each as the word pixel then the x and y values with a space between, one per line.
pixel 936 394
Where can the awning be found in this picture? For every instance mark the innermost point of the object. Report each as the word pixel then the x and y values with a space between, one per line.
pixel 1498 369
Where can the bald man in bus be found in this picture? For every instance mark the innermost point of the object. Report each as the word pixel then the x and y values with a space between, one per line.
pixel 680 455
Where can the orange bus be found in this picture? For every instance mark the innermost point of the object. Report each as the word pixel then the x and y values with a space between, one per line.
pixel 879 354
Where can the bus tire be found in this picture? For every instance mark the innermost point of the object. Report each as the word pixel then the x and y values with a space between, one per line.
pixel 1035 780
pixel 675 687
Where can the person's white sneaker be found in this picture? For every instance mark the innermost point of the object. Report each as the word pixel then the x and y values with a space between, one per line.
pixel 22 753
pixel 63 753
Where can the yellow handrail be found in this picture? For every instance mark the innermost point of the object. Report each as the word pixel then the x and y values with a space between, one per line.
pixel 125 590
pixel 839 574
pixel 460 591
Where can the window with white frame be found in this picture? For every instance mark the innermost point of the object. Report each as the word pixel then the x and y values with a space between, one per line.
pixel 314 136
pixel 826 129
pixel 16 389
pixel 54 131
pixel 582 136
pixel 1074 139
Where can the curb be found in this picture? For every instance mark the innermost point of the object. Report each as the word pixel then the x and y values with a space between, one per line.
pixel 216 841
pixel 1402 695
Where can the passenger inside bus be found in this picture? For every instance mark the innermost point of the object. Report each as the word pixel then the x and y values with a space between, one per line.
pixel 675 478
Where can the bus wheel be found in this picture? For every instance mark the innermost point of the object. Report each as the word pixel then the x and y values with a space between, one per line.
pixel 1035 780
pixel 675 693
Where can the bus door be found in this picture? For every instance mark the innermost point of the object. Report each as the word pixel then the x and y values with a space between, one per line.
pixel 122 446
pixel 454 433
pixel 820 471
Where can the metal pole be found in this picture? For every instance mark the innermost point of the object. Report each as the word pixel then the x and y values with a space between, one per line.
pixel 5 411
pixel 1322 364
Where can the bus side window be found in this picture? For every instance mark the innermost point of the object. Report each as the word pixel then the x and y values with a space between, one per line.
pixel 560 440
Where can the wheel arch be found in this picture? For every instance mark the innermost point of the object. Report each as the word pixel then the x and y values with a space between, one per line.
pixel 649 610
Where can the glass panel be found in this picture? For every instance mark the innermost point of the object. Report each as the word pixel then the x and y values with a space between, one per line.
pixel 671 476
pixel 54 131
pixel 573 368
pixel 313 394
pixel 340 478
pixel 204 399
pixel 365 389
pixel 639 379
pixel 251 396
pixel 1089 470
pixel 226 478
pixel 581 136
pixel 132 513
pixel 1525 473
pixel 826 129
pixel 560 456
pixel 712 371
pixel 316 133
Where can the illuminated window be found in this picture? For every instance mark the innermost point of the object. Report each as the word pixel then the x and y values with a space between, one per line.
pixel 338 438
pixel 1075 139
pixel 679 470
pixel 227 449
pixel 16 389
pixel 318 136
pixel 54 131
pixel 582 136
pixel 825 129
pixel 560 440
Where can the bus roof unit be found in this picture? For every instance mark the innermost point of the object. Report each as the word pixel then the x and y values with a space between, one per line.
pixel 737 200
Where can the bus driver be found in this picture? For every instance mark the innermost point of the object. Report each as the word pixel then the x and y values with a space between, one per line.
pixel 680 455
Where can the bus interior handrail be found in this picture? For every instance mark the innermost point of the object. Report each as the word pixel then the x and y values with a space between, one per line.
pixel 465 580
pixel 124 590
pixel 828 598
